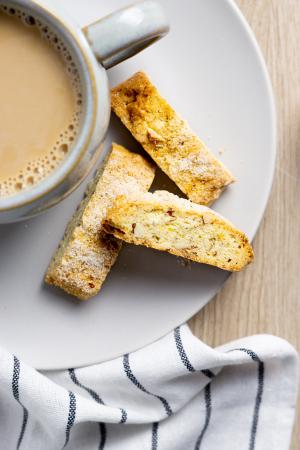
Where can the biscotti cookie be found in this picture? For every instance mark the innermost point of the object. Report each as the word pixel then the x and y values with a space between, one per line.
pixel 86 254
pixel 169 140
pixel 166 222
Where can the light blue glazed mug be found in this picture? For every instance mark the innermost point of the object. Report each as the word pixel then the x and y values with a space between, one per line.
pixel 94 49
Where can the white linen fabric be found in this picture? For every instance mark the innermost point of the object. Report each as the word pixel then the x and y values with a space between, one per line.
pixel 175 394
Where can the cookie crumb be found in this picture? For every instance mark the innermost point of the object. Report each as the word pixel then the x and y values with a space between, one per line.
pixel 184 262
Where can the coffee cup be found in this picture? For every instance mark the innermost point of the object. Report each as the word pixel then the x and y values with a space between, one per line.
pixel 93 49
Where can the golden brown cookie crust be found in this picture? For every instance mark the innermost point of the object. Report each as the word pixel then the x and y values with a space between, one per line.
pixel 86 254
pixel 166 222
pixel 169 140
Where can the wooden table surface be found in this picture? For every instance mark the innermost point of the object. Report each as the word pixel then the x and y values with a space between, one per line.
pixel 265 297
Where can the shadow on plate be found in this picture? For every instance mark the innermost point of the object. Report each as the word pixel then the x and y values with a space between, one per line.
pixel 156 275
pixel 53 294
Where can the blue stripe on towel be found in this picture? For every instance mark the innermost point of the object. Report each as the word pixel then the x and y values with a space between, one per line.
pixel 71 416
pixel 15 389
pixel 135 381
pixel 259 393
pixel 207 398
pixel 184 358
pixel 98 399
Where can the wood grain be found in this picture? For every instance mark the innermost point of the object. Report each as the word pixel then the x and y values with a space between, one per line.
pixel 265 297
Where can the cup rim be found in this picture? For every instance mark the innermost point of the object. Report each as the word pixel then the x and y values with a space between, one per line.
pixel 75 38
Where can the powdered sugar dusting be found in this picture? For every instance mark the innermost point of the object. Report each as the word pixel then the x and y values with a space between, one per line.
pixel 86 255
pixel 195 163
pixel 116 180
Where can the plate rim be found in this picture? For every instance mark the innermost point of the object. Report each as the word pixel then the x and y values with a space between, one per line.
pixel 273 110
pixel 269 181
pixel 270 101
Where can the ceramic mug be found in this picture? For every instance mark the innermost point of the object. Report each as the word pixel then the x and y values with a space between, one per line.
pixel 94 48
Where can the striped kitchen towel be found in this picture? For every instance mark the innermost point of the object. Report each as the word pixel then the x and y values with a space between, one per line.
pixel 175 394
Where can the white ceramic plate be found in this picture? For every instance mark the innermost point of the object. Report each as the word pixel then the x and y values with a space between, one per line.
pixel 211 70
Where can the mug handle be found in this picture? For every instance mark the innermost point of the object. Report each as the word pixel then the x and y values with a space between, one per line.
pixel 126 32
